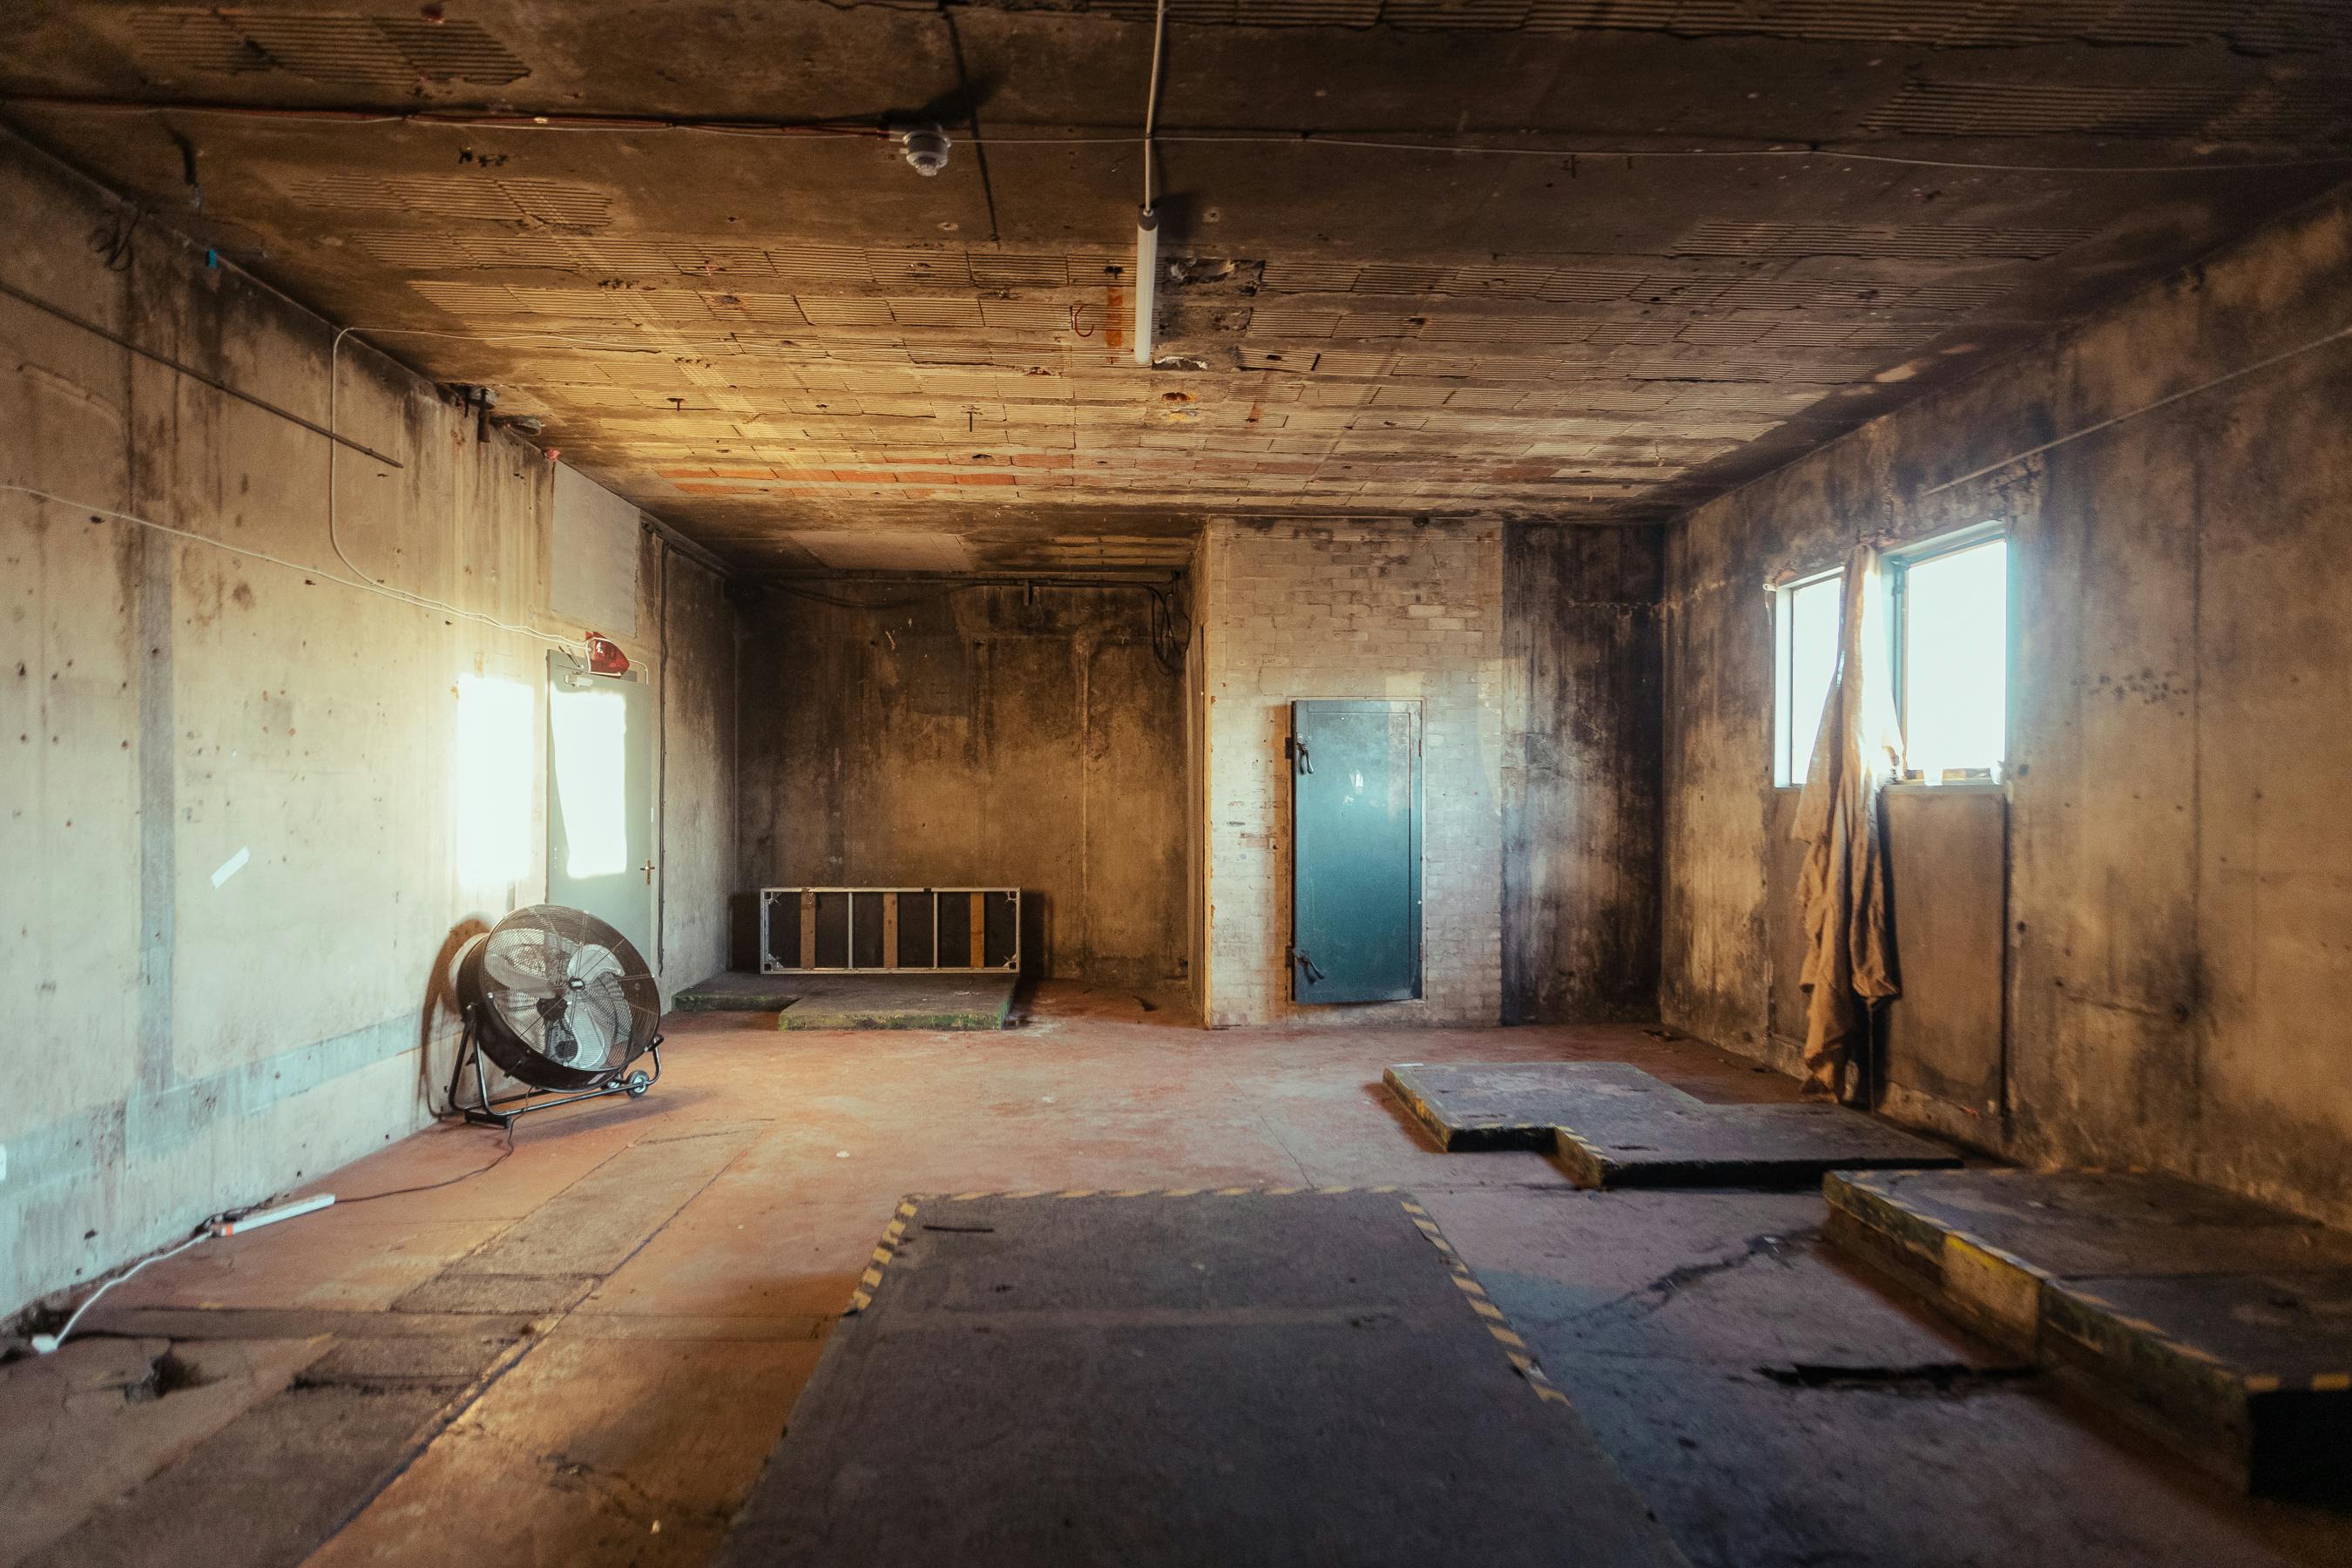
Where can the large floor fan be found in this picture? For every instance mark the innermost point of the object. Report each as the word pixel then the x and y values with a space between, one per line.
pixel 563 1002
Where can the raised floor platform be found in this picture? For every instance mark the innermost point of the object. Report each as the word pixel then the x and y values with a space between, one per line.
pixel 903 1001
pixel 2220 1325
pixel 1235 1377
pixel 1609 1124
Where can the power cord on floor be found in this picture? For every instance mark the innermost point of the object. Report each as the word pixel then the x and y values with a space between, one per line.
pixel 47 1344
pixel 233 1222
pixel 435 1186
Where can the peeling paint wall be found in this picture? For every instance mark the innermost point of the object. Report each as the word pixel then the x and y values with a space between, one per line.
pixel 227 791
pixel 2180 868
pixel 981 738
pixel 1580 773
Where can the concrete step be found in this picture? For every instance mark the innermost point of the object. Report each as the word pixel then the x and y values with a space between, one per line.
pixel 1516 1105
pixel 1609 1124
pixel 2220 1325
pixel 886 1000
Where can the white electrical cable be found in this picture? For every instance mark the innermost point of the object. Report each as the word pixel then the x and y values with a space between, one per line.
pixel 335 382
pixel 629 125
pixel 553 337
pixel 1151 98
pixel 47 1344
pixel 2337 336
pixel 1147 222
pixel 402 596
pixel 1309 139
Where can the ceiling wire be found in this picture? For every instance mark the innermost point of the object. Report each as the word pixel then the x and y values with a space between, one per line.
pixel 2336 336
pixel 417 600
pixel 548 336
pixel 837 129
pixel 334 383
pixel 1313 139
pixel 1151 96
pixel 192 373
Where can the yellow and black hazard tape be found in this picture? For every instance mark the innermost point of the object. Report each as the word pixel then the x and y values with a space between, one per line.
pixel 2252 1383
pixel 1150 1192
pixel 1961 1244
pixel 893 1234
pixel 1490 1316
pixel 883 1251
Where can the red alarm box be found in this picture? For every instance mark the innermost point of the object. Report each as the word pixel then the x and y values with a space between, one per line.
pixel 604 656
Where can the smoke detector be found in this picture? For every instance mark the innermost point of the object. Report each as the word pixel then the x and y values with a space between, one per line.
pixel 925 147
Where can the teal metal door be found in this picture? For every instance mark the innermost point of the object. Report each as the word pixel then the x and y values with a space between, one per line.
pixel 1355 855
pixel 600 797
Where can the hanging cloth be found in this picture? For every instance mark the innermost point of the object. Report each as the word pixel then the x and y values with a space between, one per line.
pixel 1848 923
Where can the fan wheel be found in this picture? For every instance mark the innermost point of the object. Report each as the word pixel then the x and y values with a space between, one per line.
pixel 560 1000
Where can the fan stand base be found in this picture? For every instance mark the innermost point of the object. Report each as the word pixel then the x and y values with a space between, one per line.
pixel 502 1111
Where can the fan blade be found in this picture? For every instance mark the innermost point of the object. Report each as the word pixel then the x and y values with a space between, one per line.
pixel 515 969
pixel 592 961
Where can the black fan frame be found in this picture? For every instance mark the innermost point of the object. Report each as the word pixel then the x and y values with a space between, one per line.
pixel 514 1055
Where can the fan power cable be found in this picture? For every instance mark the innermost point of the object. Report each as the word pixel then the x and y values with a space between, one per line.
pixel 47 1344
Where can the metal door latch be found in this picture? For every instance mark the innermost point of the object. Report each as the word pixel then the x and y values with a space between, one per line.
pixel 1304 965
pixel 1296 749
pixel 648 870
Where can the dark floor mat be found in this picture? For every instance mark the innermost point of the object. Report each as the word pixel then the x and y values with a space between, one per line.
pixel 1229 1378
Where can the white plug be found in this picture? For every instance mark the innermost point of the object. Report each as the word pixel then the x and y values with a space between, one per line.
pixel 47 1344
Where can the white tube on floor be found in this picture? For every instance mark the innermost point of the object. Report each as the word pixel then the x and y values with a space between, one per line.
pixel 271 1217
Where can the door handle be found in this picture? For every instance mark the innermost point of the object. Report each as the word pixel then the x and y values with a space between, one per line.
pixel 1306 966
pixel 649 873
pixel 1296 749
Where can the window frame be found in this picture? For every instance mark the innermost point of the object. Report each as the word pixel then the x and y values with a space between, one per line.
pixel 1897 565
pixel 1786 774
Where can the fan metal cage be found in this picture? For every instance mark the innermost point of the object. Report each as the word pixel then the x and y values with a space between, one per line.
pixel 558 1000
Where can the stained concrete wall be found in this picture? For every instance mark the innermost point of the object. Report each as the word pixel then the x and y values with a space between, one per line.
pixel 695 686
pixel 229 804
pixel 2178 875
pixel 1359 609
pixel 1580 773
pixel 988 737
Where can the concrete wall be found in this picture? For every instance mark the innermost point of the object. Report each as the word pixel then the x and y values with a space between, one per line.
pixel 1375 609
pixel 979 738
pixel 2179 870
pixel 227 803
pixel 695 685
pixel 1580 773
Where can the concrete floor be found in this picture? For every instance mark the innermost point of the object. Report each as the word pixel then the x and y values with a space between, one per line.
pixel 584 1354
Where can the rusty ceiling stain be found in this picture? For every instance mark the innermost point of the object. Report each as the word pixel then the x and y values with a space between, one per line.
pixel 786 345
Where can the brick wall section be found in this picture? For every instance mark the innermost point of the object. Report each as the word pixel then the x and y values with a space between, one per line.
pixel 1354 610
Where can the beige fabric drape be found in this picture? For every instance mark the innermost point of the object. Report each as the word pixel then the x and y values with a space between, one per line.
pixel 1848 925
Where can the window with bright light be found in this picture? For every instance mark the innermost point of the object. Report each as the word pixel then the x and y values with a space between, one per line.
pixel 1805 625
pixel 1951 632
pixel 496 775
pixel 591 730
